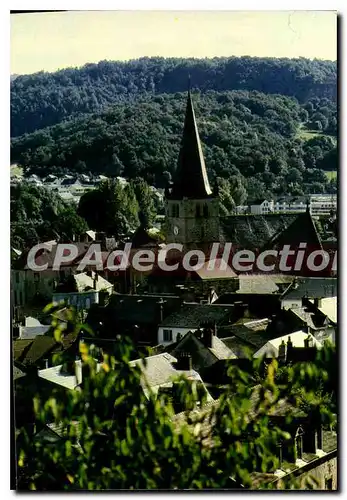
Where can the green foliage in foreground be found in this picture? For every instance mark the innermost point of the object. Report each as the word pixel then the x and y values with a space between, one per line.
pixel 117 438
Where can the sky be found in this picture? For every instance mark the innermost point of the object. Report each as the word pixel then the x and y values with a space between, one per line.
pixel 52 41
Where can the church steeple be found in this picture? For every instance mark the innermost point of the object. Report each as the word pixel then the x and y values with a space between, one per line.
pixel 190 180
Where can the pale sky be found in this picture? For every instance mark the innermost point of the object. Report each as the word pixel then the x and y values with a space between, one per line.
pixel 51 41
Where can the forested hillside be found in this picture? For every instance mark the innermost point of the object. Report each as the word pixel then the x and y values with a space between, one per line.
pixel 44 99
pixel 255 137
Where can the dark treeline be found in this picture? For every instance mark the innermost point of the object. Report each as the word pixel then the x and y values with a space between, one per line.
pixel 44 99
pixel 258 139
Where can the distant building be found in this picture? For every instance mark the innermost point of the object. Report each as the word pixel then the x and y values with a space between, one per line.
pixel 261 206
pixel 191 317
pixel 85 290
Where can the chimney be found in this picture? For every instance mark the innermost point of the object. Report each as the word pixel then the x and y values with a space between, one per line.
pixel 308 341
pixel 78 371
pixel 207 336
pixel 282 351
pixel 95 280
pixel 289 347
pixel 318 302
pixel 239 308
pixel 161 303
pixel 184 362
pixel 306 328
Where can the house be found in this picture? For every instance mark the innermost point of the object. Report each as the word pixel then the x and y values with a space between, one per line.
pixel 278 347
pixel 214 274
pixel 255 305
pixel 136 315
pixel 68 377
pixel 39 352
pixel 261 206
pixel 29 286
pixel 314 321
pixel 202 347
pixel 263 283
pixel 32 328
pixel 191 317
pixel 82 290
pixel 309 450
pixel 328 307
pixel 314 289
pixel 290 204
pixel 160 373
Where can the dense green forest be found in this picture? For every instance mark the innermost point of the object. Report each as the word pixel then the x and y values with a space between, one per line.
pixel 258 138
pixel 44 99
pixel 267 125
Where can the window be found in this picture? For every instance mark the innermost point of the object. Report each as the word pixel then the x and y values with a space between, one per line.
pixel 205 211
pixel 329 483
pixel 167 335
pixel 197 211
pixel 175 211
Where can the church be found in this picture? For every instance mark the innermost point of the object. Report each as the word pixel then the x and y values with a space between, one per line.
pixel 191 205
pixel 192 209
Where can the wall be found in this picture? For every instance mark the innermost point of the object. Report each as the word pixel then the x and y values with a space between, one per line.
pixel 30 332
pixel 321 473
pixel 175 332
pixel 191 228
pixel 291 303
pixel 82 300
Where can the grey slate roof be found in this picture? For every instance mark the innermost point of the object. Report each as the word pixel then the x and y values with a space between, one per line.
pixel 157 369
pixel 190 179
pixel 254 231
pixel 195 315
pixel 312 288
pixel 191 345
pixel 142 309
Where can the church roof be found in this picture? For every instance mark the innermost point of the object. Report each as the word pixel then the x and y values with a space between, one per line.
pixel 190 180
pixel 301 230
pixel 254 231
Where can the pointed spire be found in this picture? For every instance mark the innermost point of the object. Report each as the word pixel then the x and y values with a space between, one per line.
pixel 191 179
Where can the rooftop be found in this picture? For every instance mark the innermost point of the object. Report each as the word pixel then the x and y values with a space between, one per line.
pixel 312 288
pixel 195 315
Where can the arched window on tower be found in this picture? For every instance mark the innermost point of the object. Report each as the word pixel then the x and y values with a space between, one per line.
pixel 205 211
pixel 197 210
pixel 299 442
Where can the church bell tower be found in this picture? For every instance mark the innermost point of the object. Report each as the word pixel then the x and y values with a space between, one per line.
pixel 192 207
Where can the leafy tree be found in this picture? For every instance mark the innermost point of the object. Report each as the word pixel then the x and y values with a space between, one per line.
pixel 114 436
pixel 39 214
pixel 144 197
pixel 109 208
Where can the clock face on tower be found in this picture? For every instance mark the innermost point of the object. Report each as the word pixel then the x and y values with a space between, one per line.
pixel 176 230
